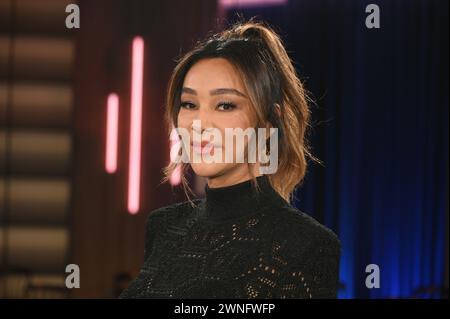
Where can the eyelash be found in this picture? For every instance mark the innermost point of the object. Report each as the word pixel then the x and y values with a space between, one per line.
pixel 229 104
pixel 184 104
pixel 192 105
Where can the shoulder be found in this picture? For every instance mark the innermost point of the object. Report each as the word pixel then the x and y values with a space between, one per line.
pixel 173 213
pixel 170 217
pixel 311 253
pixel 303 233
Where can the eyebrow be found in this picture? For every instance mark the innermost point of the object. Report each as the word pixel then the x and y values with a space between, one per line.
pixel 215 91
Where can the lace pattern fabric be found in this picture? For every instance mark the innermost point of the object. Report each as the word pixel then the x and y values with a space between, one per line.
pixel 263 250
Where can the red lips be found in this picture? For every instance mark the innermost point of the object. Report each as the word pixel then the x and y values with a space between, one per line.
pixel 202 144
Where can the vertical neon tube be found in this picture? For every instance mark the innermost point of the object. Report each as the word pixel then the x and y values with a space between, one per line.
pixel 112 127
pixel 137 70
pixel 175 178
pixel 175 144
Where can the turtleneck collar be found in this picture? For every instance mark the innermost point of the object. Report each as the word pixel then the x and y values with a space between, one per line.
pixel 238 200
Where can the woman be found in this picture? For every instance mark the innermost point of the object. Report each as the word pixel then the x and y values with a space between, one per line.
pixel 244 239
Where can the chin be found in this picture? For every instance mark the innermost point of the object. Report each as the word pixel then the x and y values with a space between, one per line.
pixel 208 170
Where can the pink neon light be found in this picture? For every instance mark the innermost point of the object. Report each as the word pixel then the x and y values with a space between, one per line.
pixel 228 4
pixel 137 70
pixel 175 143
pixel 112 125
pixel 175 177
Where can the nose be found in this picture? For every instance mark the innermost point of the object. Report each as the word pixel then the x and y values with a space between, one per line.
pixel 202 122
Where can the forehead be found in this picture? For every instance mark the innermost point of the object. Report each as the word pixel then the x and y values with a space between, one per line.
pixel 213 73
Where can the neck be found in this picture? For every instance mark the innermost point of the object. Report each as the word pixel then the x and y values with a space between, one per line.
pixel 241 199
pixel 237 175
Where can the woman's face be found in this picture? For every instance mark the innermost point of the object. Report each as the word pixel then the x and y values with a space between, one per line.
pixel 214 94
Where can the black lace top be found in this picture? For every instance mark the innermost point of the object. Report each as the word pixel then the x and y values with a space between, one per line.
pixel 236 243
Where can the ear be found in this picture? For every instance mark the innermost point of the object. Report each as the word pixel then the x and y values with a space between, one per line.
pixel 278 109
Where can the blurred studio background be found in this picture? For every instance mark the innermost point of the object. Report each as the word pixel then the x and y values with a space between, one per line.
pixel 81 159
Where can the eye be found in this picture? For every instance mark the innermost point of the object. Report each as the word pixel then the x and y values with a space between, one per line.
pixel 187 105
pixel 226 106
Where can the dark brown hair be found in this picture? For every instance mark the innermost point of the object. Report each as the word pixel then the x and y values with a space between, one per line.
pixel 275 91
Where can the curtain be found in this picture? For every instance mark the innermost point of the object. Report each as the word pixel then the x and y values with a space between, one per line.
pixel 380 125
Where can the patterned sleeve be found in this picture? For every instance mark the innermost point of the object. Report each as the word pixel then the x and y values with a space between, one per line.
pixel 150 230
pixel 313 273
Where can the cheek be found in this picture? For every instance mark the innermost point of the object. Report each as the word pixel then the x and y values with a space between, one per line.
pixel 184 119
pixel 241 121
pixel 235 120
pixel 238 120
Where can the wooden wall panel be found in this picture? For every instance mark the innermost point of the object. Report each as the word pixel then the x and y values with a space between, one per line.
pixel 106 239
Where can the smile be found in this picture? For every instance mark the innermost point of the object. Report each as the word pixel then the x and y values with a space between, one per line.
pixel 204 147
